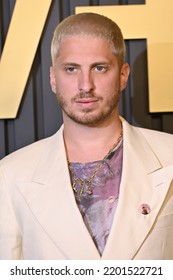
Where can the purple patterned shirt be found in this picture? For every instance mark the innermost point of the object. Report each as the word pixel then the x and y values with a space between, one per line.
pixel 98 209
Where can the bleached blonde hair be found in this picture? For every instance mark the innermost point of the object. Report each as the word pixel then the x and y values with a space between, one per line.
pixel 90 24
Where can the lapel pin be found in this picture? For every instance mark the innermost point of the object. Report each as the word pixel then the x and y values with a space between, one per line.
pixel 145 209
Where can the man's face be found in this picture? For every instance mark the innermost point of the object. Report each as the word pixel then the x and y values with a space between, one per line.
pixel 87 80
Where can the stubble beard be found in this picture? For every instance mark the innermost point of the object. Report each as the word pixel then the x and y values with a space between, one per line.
pixel 88 117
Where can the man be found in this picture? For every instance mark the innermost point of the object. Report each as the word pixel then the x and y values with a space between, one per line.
pixel 99 188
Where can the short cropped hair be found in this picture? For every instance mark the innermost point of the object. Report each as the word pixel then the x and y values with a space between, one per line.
pixel 90 24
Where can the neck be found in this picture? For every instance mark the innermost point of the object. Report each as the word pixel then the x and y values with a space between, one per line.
pixel 87 144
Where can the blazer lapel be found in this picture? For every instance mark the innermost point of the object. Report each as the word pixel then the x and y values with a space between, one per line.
pixel 144 181
pixel 51 200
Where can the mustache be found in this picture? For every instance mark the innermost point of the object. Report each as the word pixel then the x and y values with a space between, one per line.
pixel 85 95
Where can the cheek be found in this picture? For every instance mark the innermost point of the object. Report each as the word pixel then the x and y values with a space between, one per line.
pixel 109 86
pixel 67 87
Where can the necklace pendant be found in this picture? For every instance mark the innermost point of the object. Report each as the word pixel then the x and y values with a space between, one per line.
pixel 81 190
pixel 90 192
pixel 74 187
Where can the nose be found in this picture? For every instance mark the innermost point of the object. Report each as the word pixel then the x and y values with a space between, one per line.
pixel 85 81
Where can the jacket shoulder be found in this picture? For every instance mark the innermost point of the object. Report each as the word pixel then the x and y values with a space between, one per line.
pixel 156 136
pixel 161 143
pixel 27 158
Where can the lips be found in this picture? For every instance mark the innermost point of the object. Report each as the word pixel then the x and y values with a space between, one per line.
pixel 86 100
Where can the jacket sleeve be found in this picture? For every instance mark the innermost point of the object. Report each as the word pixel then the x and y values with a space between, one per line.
pixel 10 237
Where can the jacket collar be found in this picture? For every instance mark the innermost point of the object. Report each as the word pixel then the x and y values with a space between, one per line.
pixel 51 200
pixel 144 181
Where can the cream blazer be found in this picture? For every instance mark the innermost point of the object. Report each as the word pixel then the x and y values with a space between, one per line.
pixel 39 218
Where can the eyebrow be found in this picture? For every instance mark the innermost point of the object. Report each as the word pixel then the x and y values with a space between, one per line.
pixel 70 64
pixel 92 65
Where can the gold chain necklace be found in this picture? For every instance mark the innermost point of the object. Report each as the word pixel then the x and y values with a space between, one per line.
pixel 76 180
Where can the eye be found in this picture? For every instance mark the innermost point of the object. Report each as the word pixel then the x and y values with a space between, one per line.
pixel 71 69
pixel 100 68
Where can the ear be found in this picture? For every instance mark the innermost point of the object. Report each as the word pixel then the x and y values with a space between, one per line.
pixel 53 79
pixel 124 75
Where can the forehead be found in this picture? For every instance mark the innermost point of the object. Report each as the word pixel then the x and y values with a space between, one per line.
pixel 84 45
